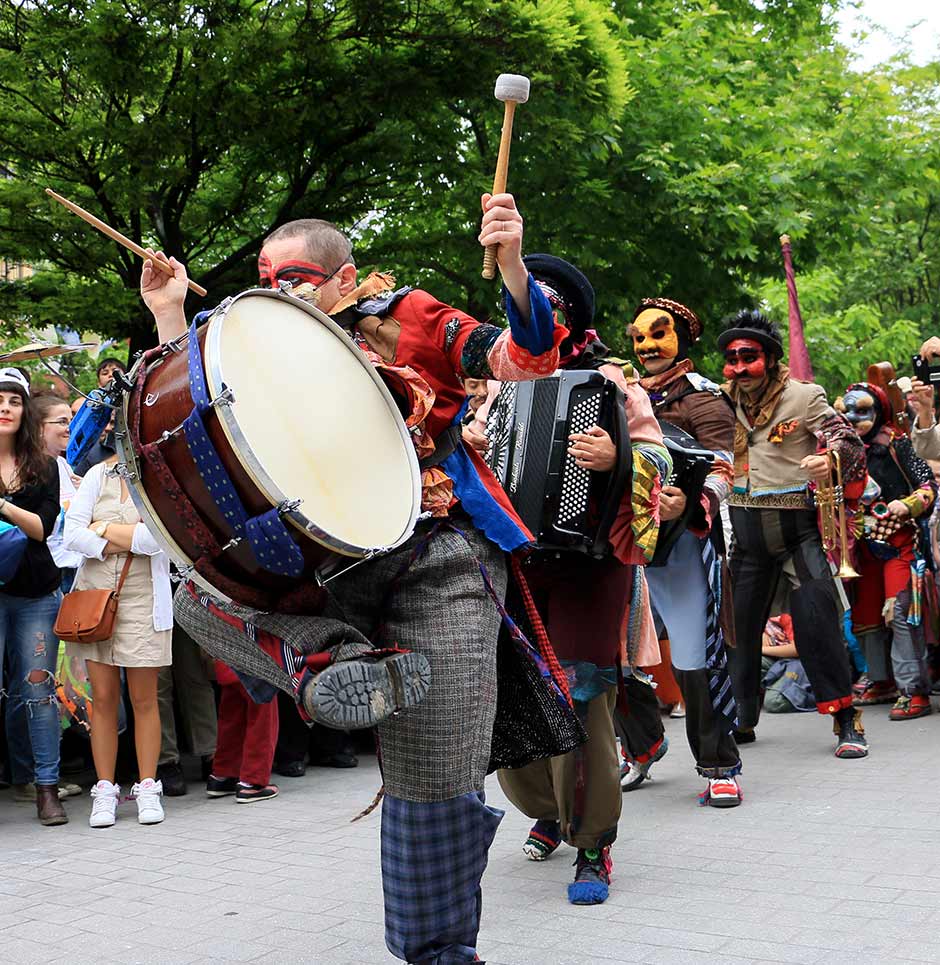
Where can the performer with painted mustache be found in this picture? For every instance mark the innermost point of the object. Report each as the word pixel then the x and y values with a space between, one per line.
pixel 782 431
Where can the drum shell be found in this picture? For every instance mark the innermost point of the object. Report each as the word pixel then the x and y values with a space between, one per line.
pixel 163 403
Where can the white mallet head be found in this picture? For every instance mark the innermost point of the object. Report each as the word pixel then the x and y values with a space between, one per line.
pixel 512 87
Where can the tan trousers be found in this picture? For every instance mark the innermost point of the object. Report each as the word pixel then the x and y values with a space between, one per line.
pixel 548 790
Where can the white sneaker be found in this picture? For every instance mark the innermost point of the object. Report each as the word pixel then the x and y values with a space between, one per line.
pixel 148 794
pixel 724 792
pixel 104 802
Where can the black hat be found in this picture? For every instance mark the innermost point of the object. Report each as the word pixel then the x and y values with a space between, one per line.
pixel 752 324
pixel 571 284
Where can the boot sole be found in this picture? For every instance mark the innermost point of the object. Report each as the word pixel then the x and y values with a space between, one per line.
pixel 922 713
pixel 851 753
pixel 356 694
pixel 724 802
pixel 54 822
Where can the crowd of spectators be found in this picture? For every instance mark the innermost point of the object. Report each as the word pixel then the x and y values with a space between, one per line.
pixel 132 705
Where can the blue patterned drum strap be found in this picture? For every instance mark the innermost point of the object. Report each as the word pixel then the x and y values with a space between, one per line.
pixel 268 537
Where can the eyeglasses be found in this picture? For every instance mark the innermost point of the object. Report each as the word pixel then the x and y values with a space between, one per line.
pixel 63 422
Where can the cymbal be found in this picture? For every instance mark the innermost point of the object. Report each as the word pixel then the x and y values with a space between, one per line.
pixel 43 350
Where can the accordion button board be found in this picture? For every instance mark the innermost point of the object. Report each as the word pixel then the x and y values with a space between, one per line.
pixel 564 505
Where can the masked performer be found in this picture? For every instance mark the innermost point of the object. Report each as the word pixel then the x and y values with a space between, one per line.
pixel 892 557
pixel 429 594
pixel 783 427
pixel 584 602
pixel 686 593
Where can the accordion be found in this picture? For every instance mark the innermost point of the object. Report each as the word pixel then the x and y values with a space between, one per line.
pixel 564 505
pixel 690 467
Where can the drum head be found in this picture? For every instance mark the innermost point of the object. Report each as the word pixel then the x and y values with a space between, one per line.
pixel 313 421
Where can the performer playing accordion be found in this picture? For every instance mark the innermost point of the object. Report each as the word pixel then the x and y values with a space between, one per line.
pixel 586 602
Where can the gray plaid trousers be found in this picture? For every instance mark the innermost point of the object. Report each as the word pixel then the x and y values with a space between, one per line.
pixel 440 607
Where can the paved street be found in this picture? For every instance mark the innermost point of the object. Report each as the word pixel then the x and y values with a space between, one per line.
pixel 826 862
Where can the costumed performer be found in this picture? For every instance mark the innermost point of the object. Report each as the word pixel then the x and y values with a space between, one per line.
pixel 429 594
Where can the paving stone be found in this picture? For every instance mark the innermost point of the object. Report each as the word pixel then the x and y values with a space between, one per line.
pixel 292 880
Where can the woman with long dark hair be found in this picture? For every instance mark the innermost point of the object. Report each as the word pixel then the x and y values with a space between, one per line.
pixel 29 601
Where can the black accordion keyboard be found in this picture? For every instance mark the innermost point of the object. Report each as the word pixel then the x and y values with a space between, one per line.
pixel 564 505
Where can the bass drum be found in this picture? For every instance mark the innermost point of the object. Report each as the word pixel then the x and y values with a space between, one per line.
pixel 264 452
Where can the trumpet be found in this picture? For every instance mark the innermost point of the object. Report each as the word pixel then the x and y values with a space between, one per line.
pixel 830 500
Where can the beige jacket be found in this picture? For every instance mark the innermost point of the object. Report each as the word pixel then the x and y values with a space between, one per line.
pixel 926 442
pixel 774 467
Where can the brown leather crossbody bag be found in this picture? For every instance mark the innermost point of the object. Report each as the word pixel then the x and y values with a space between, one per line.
pixel 87 616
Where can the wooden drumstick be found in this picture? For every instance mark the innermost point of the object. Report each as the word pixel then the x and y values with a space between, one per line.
pixel 118 237
pixel 511 89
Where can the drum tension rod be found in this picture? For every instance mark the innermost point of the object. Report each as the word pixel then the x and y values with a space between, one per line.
pixel 175 344
pixel 225 397
pixel 288 506
pixel 120 469
pixel 370 554
pixel 232 543
pixel 168 434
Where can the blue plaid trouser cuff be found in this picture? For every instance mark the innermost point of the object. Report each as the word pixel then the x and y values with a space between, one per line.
pixel 433 857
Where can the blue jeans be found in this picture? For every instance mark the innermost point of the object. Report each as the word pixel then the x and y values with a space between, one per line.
pixel 27 638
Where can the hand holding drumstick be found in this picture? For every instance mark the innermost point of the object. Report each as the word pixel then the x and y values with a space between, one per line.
pixel 164 293
pixel 106 229
pixel 501 230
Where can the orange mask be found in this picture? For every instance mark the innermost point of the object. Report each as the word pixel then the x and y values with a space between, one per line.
pixel 654 335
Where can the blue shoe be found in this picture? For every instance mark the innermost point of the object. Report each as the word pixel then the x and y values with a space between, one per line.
pixel 591 884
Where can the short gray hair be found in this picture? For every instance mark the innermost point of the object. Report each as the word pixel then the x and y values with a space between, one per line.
pixel 323 242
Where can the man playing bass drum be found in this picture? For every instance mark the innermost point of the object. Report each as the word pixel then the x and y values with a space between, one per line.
pixel 686 592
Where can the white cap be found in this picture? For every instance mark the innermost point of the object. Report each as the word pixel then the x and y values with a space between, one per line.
pixel 14 375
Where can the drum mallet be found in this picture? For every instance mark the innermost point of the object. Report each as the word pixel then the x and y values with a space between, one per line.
pixel 511 89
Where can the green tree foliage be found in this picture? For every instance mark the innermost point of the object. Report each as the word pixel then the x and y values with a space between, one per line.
pixel 666 146
pixel 200 127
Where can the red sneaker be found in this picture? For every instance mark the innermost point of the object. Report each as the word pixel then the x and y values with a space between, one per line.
pixel 877 692
pixel 909 708
pixel 723 792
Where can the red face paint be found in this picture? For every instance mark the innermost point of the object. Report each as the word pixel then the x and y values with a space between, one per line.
pixel 296 272
pixel 745 359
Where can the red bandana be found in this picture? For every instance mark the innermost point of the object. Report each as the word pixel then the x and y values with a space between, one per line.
pixel 296 272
